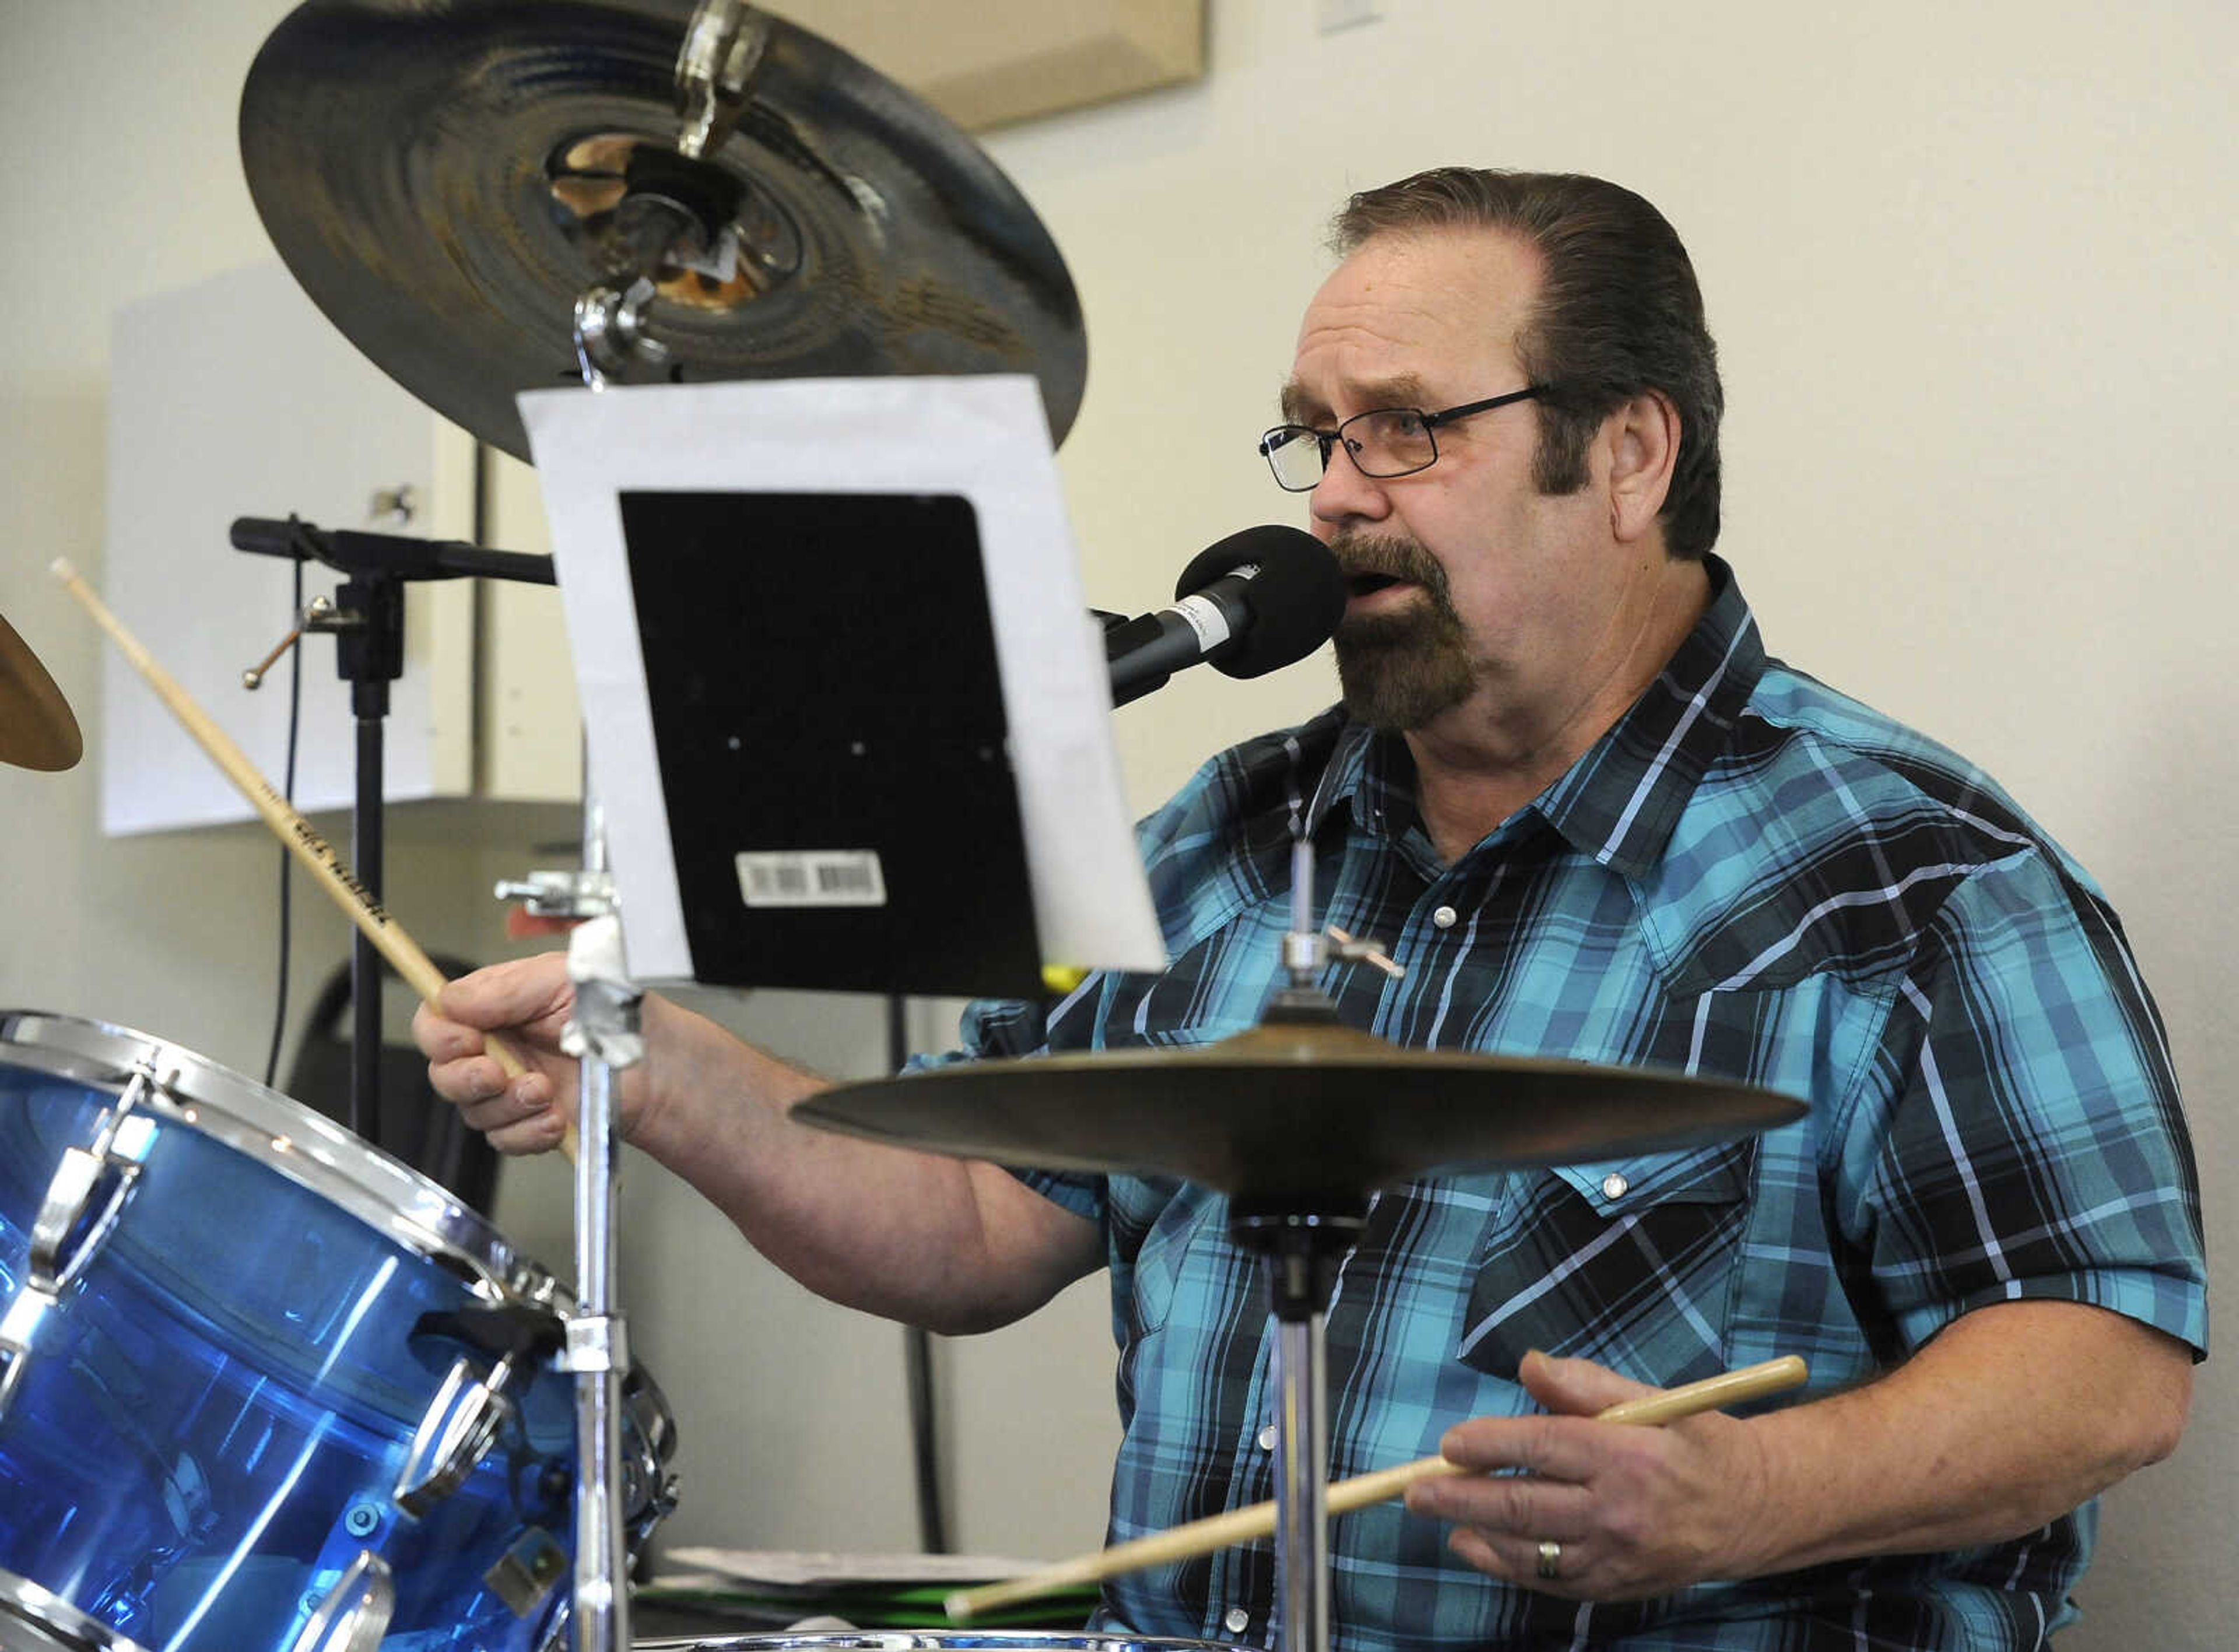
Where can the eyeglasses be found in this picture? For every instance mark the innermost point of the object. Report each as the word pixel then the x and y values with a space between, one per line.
pixel 1383 442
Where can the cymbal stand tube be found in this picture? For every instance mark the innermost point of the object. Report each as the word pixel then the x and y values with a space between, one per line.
pixel 1300 1246
pixel 1302 1479
pixel 598 1356
pixel 1304 950
pixel 604 1035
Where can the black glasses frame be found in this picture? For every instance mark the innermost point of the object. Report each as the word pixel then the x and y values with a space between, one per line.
pixel 1327 439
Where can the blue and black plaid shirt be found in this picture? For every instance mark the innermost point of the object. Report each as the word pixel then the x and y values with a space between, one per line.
pixel 1749 877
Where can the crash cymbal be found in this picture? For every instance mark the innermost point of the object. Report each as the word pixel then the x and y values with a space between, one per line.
pixel 36 728
pixel 1287 1113
pixel 446 180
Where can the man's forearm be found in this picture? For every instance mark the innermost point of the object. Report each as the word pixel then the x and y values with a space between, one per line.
pixel 2013 1415
pixel 953 1246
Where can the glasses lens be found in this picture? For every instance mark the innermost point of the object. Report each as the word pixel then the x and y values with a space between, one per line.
pixel 1294 452
pixel 1391 441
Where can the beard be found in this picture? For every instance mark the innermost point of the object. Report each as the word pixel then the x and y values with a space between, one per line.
pixel 1400 668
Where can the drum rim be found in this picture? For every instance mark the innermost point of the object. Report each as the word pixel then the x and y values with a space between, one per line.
pixel 925 1639
pixel 289 1138
pixel 920 1640
pixel 52 1616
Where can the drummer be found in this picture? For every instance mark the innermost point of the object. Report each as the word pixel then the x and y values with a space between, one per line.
pixel 1571 791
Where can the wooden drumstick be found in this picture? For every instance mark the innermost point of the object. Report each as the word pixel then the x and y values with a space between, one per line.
pixel 301 838
pixel 1246 1525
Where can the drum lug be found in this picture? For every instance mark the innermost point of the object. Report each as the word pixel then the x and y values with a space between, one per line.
pixel 525 1575
pixel 18 1327
pixel 63 1241
pixel 355 1614
pixel 462 1423
pixel 121 1141
pixel 649 1489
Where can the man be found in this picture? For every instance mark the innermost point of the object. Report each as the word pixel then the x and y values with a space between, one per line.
pixel 1570 792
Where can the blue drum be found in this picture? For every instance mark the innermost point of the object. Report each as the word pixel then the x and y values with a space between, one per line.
pixel 262 1389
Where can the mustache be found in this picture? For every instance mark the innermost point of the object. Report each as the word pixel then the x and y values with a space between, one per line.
pixel 1388 556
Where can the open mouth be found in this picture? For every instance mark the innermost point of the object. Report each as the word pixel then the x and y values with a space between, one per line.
pixel 1363 584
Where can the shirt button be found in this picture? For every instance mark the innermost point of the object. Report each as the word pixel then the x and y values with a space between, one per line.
pixel 1613 1186
pixel 1236 1620
pixel 1267 1438
pixel 1445 916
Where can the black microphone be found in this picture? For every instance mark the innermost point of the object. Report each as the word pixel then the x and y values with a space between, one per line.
pixel 1257 600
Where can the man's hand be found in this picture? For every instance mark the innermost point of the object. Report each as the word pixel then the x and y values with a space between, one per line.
pixel 1636 1512
pixel 528 1002
pixel 1934 1455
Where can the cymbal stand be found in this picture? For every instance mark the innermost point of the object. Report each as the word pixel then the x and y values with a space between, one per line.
pixel 602 1034
pixel 1302 1239
pixel 676 210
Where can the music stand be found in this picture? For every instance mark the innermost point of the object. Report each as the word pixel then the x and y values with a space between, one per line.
pixel 851 723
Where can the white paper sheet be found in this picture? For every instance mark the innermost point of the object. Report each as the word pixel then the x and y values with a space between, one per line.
pixel 791 1568
pixel 983 437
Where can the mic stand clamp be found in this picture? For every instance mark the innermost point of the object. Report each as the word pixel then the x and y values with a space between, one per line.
pixel 562 894
pixel 605 1024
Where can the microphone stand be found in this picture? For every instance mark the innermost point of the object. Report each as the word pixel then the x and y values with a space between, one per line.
pixel 367 620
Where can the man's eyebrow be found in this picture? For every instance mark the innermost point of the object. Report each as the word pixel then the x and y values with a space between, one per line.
pixel 1402 390
pixel 1405 390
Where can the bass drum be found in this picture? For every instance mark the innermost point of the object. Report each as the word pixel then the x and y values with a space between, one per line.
pixel 263 1388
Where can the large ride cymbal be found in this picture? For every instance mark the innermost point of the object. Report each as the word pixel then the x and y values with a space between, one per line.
pixel 443 181
pixel 1289 1113
pixel 36 728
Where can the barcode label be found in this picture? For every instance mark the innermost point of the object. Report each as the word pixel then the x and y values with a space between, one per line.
pixel 811 878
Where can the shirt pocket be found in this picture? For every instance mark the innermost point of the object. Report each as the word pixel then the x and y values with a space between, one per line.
pixel 1629 1263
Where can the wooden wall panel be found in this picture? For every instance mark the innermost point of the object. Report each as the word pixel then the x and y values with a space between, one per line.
pixel 985 63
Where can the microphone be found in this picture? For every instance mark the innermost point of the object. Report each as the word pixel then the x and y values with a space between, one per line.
pixel 1257 600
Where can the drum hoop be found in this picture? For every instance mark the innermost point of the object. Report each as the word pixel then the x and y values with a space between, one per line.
pixel 920 1640
pixel 55 1620
pixel 310 1151
pixel 935 1639
pixel 323 1159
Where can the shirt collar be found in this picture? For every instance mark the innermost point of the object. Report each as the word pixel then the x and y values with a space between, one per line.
pixel 1619 801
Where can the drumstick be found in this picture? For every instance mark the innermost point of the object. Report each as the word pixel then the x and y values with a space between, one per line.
pixel 1244 1525
pixel 301 838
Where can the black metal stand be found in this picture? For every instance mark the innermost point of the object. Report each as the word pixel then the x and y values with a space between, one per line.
pixel 917 1356
pixel 1301 1250
pixel 367 621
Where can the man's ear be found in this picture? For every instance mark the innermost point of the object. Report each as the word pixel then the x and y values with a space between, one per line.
pixel 1643 442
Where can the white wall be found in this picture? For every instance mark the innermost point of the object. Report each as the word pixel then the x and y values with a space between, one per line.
pixel 1968 268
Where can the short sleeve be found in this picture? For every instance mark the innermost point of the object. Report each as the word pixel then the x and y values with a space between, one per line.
pixel 1001 1028
pixel 2020 1134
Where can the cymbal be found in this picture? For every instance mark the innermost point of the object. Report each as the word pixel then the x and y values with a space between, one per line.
pixel 36 728
pixel 443 182
pixel 1287 1113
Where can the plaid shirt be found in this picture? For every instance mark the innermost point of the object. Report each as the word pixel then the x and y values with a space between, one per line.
pixel 1749 877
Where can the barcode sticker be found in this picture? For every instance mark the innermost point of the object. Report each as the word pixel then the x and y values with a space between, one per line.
pixel 811 878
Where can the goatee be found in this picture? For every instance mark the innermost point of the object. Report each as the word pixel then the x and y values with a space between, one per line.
pixel 1402 666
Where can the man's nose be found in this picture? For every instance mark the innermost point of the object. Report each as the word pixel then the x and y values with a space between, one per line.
pixel 1343 494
